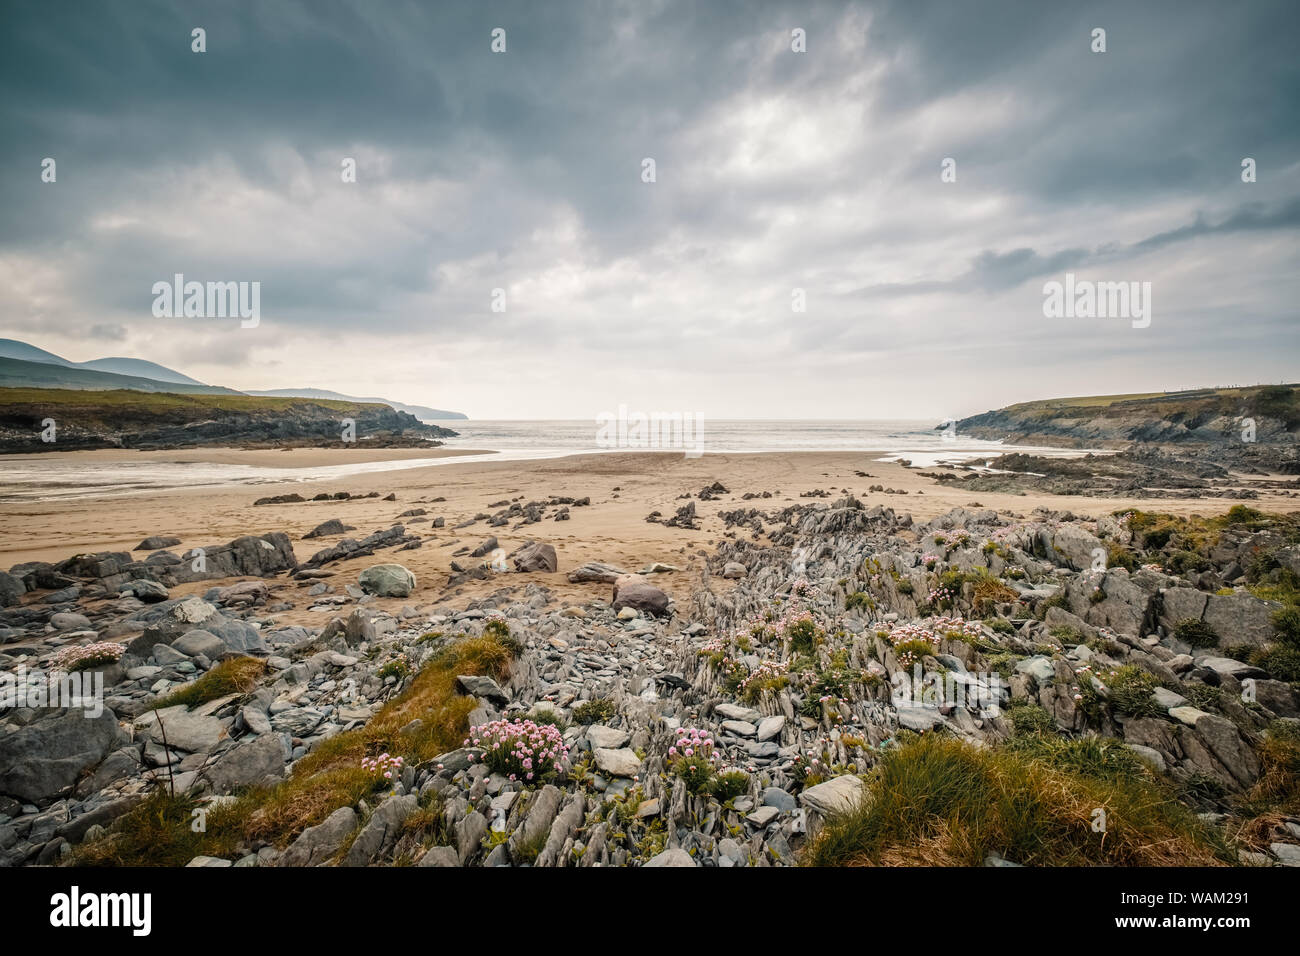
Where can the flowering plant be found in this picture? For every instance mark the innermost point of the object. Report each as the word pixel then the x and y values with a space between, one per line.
pixel 692 758
pixel 519 749
pixel 384 765
pixel 398 666
pixel 911 642
pixel 87 655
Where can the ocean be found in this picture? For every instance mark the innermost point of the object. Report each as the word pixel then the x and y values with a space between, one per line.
pixel 53 477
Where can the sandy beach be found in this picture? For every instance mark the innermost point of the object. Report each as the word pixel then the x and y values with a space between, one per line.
pixel 623 487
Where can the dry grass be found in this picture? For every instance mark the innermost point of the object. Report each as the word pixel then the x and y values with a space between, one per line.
pixel 328 778
pixel 237 675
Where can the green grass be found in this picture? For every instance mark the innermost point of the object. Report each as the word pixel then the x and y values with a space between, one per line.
pixel 941 802
pixel 119 399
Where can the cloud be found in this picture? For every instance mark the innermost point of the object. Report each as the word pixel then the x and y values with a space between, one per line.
pixel 776 171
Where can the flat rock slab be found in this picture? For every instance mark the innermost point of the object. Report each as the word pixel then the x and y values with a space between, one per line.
pixel 606 738
pixel 836 795
pixel 184 731
pixel 617 763
pixel 673 857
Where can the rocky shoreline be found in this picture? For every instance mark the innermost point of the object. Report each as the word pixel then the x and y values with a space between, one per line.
pixel 1166 644
pixel 42 420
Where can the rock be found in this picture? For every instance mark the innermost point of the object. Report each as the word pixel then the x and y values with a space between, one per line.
pixel 741 728
pixel 151 592
pixel 534 556
pixel 440 856
pixel 634 591
pixel 673 857
pixel 538 817
pixel 69 621
pixel 202 642
pixel 733 570
pixel 1068 545
pixel 211 861
pixel 1150 756
pixel 12 589
pixel 479 685
pixel 47 755
pixel 919 719
pixel 594 571
pixel 1288 854
pixel 783 800
pixel 1224 740
pixel 255 762
pixel 1040 668
pixel 1227 667
pixel 837 795
pixel 329 528
pixel 157 542
pixel 617 763
pixel 297 721
pixel 387 580
pixel 763 816
pixel 381 830
pixel 316 845
pixel 486 547
pixel 1167 699
pixel 736 712
pixel 184 730
pixel 606 738
pixel 769 728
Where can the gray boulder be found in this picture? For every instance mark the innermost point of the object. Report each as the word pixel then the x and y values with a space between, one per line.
pixel 634 591
pixel 316 845
pixel 387 580
pixel 535 556
pixel 46 756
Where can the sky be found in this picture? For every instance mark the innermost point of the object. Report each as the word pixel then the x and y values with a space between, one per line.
pixel 774 171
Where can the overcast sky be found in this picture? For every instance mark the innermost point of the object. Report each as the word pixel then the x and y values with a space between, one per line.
pixel 775 170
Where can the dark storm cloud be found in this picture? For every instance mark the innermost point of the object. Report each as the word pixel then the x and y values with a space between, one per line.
pixel 775 170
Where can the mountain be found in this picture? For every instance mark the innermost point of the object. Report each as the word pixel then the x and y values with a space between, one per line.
pixel 419 411
pixel 19 374
pixel 13 349
pixel 26 366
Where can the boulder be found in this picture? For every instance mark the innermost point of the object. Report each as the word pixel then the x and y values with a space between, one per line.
pixel 192 732
pixel 634 591
pixel 535 556
pixel 316 845
pixel 387 580
pixel 836 795
pixel 46 756
pixel 157 542
pixel 255 762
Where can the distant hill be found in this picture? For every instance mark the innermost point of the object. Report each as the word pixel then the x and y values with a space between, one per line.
pixel 18 374
pixel 422 412
pixel 26 366
pixel 130 418
pixel 141 369
pixel 12 348
pixel 1210 416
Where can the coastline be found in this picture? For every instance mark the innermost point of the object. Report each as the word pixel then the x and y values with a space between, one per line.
pixel 624 488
